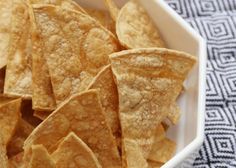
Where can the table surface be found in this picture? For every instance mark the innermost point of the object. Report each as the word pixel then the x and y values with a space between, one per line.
pixel 215 20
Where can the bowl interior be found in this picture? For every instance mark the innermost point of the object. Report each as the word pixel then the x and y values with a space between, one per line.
pixel 176 37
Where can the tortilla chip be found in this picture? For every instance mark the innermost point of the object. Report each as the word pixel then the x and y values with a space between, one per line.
pixel 162 151
pixel 40 158
pixel 70 4
pixel 16 161
pixel 2 78
pixel 152 164
pixel 103 17
pixel 148 81
pixel 9 117
pixel 174 114
pixel 43 96
pixel 106 86
pixel 76 47
pixel 74 152
pixel 135 28
pixel 42 115
pixel 3 152
pixel 134 155
pixel 23 130
pixel 82 114
pixel 5 26
pixel 113 9
pixel 18 72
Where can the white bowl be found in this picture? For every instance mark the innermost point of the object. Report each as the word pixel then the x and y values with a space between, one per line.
pixel 189 132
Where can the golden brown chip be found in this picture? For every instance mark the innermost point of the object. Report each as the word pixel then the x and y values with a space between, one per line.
pixel 148 81
pixel 23 130
pixel 106 86
pixel 63 3
pixel 5 24
pixel 43 97
pixel 42 115
pixel 16 161
pixel 42 94
pixel 9 117
pixel 174 114
pixel 134 155
pixel 3 152
pixel 76 47
pixel 152 164
pixel 113 9
pixel 135 28
pixel 40 158
pixel 2 78
pixel 74 152
pixel 103 17
pixel 82 114
pixel 162 151
pixel 18 72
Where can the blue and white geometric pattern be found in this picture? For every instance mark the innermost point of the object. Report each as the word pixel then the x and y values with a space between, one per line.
pixel 215 20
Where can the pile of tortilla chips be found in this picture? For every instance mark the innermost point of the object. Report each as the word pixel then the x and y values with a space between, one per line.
pixel 86 88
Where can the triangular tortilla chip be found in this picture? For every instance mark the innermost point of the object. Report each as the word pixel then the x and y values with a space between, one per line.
pixel 42 96
pixel 162 151
pixel 148 81
pixel 63 3
pixel 113 9
pixel 18 78
pixel 135 28
pixel 23 130
pixel 9 117
pixel 5 26
pixel 134 155
pixel 3 152
pixel 83 115
pixel 16 161
pixel 106 86
pixel 74 152
pixel 40 158
pixel 2 78
pixel 76 47
pixel 103 17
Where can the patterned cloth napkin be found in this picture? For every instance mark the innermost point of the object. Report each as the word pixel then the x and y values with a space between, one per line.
pixel 215 20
